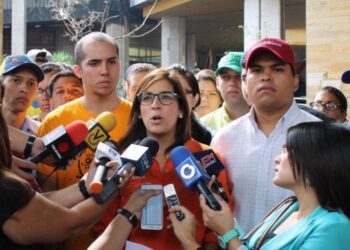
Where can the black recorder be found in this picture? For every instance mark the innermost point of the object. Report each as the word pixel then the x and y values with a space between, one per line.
pixel 172 200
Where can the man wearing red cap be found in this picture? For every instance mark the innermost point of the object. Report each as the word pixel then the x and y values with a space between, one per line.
pixel 249 144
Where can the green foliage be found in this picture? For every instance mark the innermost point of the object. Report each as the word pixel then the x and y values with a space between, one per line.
pixel 63 57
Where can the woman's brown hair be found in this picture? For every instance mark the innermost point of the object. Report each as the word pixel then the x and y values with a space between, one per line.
pixel 137 129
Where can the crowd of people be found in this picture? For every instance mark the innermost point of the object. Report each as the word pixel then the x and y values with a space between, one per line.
pixel 244 113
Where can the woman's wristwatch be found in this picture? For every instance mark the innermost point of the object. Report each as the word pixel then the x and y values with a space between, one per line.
pixel 225 239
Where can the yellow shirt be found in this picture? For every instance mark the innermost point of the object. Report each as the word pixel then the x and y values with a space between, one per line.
pixel 68 113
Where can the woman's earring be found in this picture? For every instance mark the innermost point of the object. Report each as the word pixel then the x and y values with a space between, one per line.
pixel 180 116
pixel 139 117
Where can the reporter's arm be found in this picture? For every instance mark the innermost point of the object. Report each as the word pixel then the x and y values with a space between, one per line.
pixel 45 221
pixel 113 237
pixel 72 195
pixel 185 230
pixel 19 164
pixel 19 139
pixel 219 221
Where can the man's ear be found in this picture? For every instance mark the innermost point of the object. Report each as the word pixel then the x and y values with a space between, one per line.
pixel 77 71
pixel 125 86
pixel 296 80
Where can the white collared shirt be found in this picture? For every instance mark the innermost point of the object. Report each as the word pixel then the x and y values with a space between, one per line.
pixel 248 155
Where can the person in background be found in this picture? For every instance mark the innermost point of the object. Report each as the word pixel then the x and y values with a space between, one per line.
pixel 64 87
pixel 49 69
pixel 228 79
pixel 161 111
pixel 248 144
pixel 333 102
pixel 316 217
pixel 40 56
pixel 133 77
pixel 98 65
pixel 210 96
pixel 190 84
pixel 21 77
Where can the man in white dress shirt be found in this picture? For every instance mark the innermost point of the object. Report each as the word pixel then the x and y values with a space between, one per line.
pixel 249 144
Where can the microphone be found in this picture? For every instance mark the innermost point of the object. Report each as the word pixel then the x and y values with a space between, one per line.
pixel 62 142
pixel 105 152
pixel 192 174
pixel 139 156
pixel 141 160
pixel 98 130
pixel 213 166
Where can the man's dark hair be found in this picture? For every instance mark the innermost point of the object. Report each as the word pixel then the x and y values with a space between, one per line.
pixel 51 67
pixel 53 80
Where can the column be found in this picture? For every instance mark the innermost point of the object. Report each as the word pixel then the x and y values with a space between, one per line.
pixel 173 48
pixel 118 31
pixel 18 27
pixel 190 51
pixel 262 18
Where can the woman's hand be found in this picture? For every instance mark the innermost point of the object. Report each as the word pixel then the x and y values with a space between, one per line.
pixel 138 200
pixel 111 166
pixel 19 166
pixel 218 221
pixel 185 230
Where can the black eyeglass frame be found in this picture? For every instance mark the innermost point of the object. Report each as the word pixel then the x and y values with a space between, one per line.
pixel 173 95
pixel 335 107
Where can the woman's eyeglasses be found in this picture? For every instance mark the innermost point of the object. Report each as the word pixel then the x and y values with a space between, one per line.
pixel 330 106
pixel 164 98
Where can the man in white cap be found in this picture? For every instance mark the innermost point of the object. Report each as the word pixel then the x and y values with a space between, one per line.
pixel 40 56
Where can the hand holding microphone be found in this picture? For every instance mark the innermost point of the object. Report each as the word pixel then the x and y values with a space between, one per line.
pixel 97 132
pixel 62 142
pixel 192 174
pixel 140 158
pixel 106 152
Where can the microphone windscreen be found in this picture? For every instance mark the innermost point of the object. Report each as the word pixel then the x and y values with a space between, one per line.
pixel 77 131
pixel 178 154
pixel 151 143
pixel 107 120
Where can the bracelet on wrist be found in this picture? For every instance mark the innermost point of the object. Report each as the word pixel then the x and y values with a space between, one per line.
pixel 83 190
pixel 129 216
pixel 29 146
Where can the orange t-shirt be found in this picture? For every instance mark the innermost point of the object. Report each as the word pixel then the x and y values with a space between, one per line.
pixel 68 113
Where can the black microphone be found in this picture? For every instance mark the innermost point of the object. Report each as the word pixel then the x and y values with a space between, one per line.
pixel 105 152
pixel 139 156
pixel 141 160
pixel 62 142
pixel 192 175
pixel 213 166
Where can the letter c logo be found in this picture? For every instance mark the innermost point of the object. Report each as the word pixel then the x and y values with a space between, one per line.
pixel 187 171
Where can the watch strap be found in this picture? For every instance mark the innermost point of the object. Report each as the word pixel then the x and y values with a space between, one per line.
pixel 29 145
pixel 225 239
pixel 130 216
pixel 83 190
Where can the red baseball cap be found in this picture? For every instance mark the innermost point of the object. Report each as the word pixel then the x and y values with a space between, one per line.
pixel 280 48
